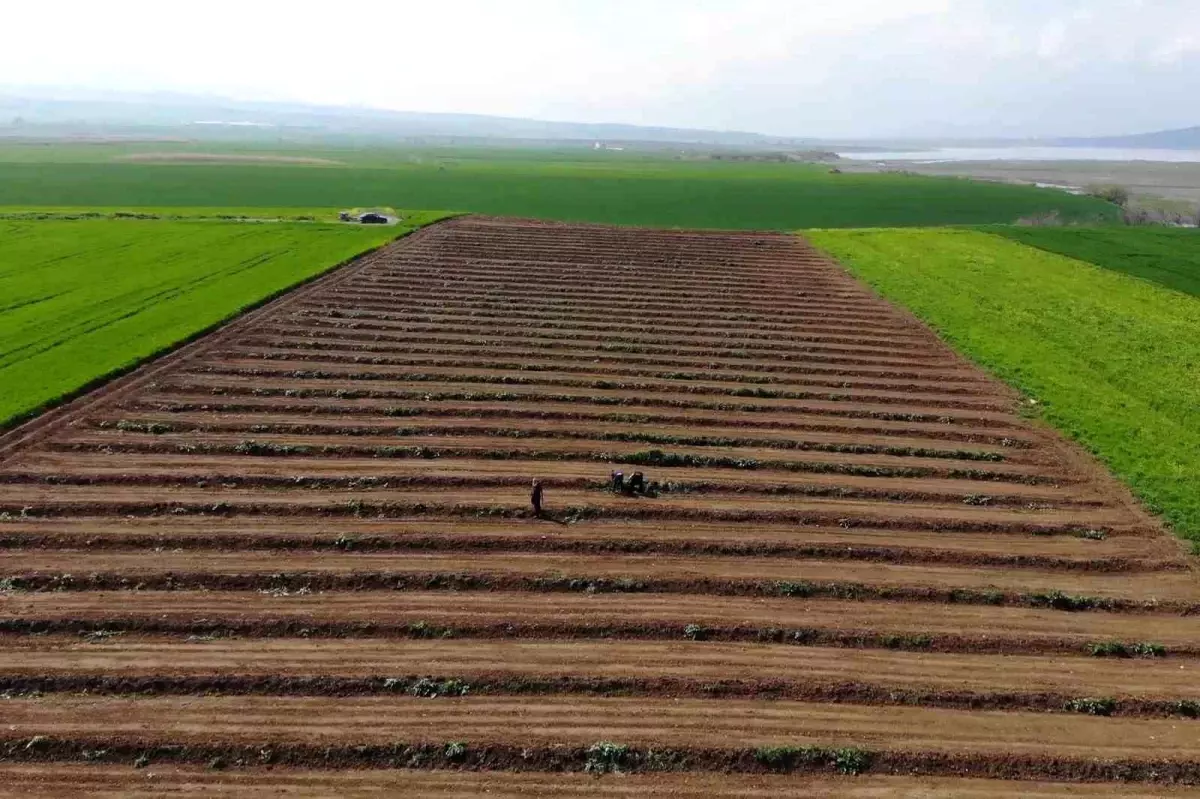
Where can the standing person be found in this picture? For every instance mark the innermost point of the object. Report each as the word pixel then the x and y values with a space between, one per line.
pixel 535 497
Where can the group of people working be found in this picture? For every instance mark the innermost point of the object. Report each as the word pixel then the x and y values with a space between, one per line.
pixel 636 484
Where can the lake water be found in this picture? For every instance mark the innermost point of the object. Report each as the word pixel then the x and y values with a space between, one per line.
pixel 1027 154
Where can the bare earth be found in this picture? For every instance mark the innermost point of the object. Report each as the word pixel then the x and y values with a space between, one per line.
pixel 106 782
pixel 306 541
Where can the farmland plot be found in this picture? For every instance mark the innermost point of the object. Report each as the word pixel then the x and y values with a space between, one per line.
pixel 306 541
pixel 612 188
pixel 1110 360
pixel 1167 256
pixel 82 299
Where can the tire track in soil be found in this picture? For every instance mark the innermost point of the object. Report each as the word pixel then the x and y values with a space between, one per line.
pixel 63 781
pixel 478 337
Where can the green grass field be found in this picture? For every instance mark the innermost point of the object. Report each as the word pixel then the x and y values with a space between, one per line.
pixel 1113 361
pixel 623 188
pixel 1168 256
pixel 80 300
pixel 18 213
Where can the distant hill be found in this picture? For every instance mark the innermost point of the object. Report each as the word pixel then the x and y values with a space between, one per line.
pixel 48 112
pixel 83 113
pixel 1182 139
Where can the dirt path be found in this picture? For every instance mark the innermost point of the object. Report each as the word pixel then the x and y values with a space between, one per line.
pixel 122 782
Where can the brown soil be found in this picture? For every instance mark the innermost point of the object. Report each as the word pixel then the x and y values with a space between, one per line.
pixel 360 424
pixel 62 781
pixel 254 532
pixel 642 722
pixel 644 661
pixel 376 383
pixel 1007 628
pixel 70 499
pixel 181 469
pixel 1140 551
pixel 319 408
pixel 693 573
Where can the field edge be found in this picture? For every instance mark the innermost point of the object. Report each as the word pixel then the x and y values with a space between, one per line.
pixel 1065 440
pixel 13 425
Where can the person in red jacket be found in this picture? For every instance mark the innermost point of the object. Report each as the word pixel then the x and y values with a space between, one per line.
pixel 535 498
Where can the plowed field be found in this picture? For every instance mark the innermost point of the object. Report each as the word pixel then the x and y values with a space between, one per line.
pixel 299 555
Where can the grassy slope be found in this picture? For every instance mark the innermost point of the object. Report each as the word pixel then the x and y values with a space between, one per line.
pixel 1114 361
pixel 628 190
pixel 83 299
pixel 1168 256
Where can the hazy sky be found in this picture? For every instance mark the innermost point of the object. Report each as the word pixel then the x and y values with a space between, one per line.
pixel 789 67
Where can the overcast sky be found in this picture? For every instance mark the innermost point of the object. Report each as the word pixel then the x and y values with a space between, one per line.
pixel 832 68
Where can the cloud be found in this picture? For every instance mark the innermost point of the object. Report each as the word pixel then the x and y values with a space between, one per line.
pixel 844 68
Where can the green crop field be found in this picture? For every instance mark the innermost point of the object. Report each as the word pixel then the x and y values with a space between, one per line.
pixel 1112 361
pixel 18 213
pixel 1168 256
pixel 624 188
pixel 80 300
